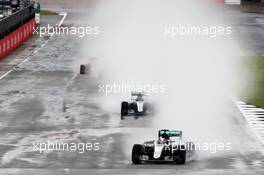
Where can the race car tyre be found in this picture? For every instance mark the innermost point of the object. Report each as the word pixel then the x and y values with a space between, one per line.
pixel 124 109
pixel 137 152
pixel 179 157
pixel 191 149
pixel 82 69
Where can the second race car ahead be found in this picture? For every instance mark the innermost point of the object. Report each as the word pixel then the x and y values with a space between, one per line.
pixel 92 68
pixel 137 107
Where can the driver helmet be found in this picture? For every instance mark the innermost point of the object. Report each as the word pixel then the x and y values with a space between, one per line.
pixel 140 97
pixel 164 137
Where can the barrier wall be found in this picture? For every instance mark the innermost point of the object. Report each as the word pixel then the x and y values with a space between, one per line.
pixel 14 39
pixel 233 1
pixel 220 1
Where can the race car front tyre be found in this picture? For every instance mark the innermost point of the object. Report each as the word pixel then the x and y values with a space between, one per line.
pixel 82 69
pixel 137 152
pixel 179 157
pixel 124 109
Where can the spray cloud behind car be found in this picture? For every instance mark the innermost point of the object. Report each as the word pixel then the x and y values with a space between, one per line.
pixel 199 71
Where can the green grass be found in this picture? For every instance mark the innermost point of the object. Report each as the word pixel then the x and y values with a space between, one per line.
pixel 256 67
pixel 48 12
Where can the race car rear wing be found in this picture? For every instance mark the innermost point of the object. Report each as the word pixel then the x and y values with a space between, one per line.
pixel 171 133
pixel 136 93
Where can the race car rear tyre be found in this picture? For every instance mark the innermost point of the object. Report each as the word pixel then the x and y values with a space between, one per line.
pixel 137 152
pixel 179 157
pixel 82 69
pixel 124 109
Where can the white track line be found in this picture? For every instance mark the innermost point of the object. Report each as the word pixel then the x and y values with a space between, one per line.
pixel 5 74
pixel 64 14
pixel 25 60
pixel 253 116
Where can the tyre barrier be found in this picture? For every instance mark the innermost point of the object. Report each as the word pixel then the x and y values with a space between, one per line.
pixel 14 39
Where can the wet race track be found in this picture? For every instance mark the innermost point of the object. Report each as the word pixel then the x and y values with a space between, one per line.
pixel 45 98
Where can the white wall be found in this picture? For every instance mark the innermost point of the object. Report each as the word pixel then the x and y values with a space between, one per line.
pixel 233 1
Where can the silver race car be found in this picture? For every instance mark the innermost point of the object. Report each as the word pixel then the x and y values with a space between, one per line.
pixel 138 106
pixel 169 147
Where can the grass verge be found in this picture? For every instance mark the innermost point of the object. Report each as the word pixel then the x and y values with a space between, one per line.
pixel 48 12
pixel 256 67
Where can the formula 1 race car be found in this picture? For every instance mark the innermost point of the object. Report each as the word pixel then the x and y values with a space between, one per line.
pixel 85 68
pixel 137 107
pixel 168 147
pixel 91 68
